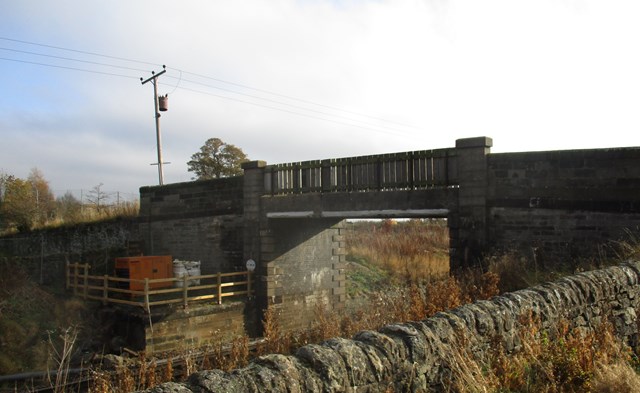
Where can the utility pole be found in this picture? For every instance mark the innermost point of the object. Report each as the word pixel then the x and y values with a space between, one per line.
pixel 154 79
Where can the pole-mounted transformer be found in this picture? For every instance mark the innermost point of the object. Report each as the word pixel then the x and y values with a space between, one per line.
pixel 163 102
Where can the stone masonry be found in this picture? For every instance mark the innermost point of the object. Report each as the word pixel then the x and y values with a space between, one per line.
pixel 416 356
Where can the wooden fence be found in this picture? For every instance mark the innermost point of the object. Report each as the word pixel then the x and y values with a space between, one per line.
pixel 398 171
pixel 155 292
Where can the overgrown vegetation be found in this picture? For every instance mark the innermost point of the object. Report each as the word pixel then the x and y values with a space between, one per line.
pixel 567 360
pixel 406 251
pixel 32 320
pixel 27 204
pixel 395 287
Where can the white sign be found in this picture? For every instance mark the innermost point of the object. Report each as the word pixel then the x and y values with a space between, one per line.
pixel 251 265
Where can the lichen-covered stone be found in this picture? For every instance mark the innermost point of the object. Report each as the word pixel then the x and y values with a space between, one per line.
pixel 216 381
pixel 417 356
pixel 393 351
pixel 327 363
pixel 170 387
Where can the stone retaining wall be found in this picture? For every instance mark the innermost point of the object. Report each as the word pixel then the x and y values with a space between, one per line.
pixel 43 254
pixel 413 356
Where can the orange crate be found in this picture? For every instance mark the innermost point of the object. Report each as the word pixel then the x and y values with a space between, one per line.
pixel 141 267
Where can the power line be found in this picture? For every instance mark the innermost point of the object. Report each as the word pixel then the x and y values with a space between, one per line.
pixel 389 130
pixel 296 99
pixel 68 68
pixel 77 51
pixel 205 77
pixel 72 59
pixel 284 103
pixel 397 132
pixel 288 111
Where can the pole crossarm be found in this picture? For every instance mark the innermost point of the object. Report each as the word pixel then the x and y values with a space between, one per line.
pixel 154 75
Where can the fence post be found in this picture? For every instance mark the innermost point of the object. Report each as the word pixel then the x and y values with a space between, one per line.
pixel 248 284
pixel 411 171
pixel 446 168
pixel 105 289
pixel 66 273
pixel 219 288
pixel 295 172
pixel 85 281
pixel 185 292
pixel 325 176
pixel 75 279
pixel 146 295
pixel 379 174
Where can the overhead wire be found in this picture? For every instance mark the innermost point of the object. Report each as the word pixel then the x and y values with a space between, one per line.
pixel 286 111
pixel 68 68
pixel 77 51
pixel 72 59
pixel 177 84
pixel 299 99
pixel 365 125
pixel 286 104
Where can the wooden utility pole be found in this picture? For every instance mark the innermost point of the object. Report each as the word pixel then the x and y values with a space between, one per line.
pixel 154 79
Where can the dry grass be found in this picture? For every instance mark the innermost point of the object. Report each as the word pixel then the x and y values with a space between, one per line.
pixel 29 315
pixel 84 214
pixel 396 304
pixel 570 361
pixel 616 378
pixel 562 361
pixel 410 251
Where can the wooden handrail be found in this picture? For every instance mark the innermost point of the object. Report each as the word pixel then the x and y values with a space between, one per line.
pixel 102 288
pixel 384 172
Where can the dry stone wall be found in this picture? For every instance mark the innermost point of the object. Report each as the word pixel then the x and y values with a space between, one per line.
pixel 416 356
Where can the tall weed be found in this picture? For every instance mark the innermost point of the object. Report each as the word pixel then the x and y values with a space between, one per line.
pixel 410 251
pixel 569 360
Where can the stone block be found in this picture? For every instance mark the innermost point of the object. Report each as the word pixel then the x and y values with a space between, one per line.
pixel 339 251
pixel 338 291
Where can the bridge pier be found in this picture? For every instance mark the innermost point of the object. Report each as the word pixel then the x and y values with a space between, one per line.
pixel 299 261
pixel 302 265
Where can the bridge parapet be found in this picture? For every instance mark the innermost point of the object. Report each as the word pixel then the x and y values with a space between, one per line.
pixel 384 172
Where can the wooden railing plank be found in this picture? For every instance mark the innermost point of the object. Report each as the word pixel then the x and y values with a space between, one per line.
pixel 99 287
pixel 396 171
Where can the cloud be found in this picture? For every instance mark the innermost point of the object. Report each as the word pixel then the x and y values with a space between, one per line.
pixel 532 75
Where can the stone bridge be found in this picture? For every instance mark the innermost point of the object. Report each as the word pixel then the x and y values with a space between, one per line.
pixel 289 217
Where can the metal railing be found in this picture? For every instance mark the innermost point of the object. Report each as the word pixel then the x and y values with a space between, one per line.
pixel 154 292
pixel 385 172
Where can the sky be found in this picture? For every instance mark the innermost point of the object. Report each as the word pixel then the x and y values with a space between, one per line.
pixel 297 80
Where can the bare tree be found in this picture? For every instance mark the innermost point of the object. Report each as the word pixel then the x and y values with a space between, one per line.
pixel 98 198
